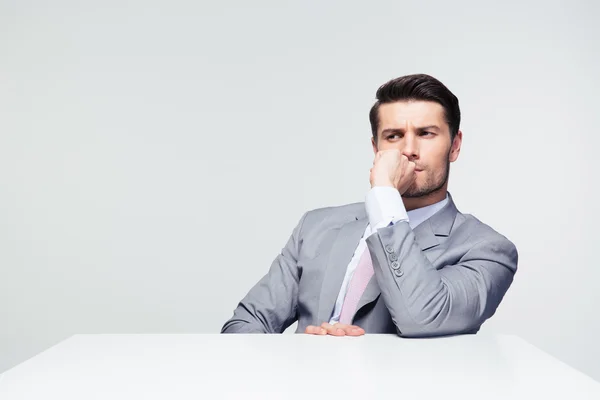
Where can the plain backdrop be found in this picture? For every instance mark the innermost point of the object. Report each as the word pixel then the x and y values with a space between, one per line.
pixel 156 155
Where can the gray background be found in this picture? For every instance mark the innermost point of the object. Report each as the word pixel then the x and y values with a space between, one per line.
pixel 155 155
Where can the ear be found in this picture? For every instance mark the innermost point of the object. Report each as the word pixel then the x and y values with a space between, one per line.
pixel 374 145
pixel 455 149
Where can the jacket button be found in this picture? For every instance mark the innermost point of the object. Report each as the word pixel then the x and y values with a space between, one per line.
pixel 393 257
pixel 389 249
pixel 398 272
pixel 395 265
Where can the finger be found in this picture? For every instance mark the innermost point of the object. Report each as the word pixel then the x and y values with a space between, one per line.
pixel 351 330
pixel 385 154
pixel 310 330
pixel 315 330
pixel 341 329
pixel 357 330
pixel 412 174
pixel 331 329
pixel 409 167
pixel 405 161
pixel 334 330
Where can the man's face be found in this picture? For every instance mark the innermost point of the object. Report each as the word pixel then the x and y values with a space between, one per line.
pixel 418 129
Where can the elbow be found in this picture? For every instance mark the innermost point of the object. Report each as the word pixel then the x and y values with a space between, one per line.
pixel 441 319
pixel 456 327
pixel 241 326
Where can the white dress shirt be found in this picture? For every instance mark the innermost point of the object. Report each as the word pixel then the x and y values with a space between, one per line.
pixel 384 207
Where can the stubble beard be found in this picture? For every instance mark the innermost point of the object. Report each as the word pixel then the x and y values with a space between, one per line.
pixel 433 184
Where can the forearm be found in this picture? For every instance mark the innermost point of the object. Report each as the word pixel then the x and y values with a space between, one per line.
pixel 426 301
pixel 240 326
pixel 245 321
pixel 271 305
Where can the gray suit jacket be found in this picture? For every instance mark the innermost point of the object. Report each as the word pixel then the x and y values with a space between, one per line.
pixel 452 272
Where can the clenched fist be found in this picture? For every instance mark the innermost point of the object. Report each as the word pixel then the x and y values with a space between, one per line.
pixel 392 168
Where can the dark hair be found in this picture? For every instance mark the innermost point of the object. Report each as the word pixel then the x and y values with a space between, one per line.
pixel 417 87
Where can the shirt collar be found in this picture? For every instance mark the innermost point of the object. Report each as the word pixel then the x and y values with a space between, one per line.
pixel 420 215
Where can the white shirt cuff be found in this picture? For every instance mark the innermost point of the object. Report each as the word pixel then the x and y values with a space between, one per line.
pixel 384 206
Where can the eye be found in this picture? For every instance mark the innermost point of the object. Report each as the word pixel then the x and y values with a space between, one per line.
pixel 426 133
pixel 393 136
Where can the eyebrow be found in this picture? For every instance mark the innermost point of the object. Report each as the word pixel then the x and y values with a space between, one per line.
pixel 401 130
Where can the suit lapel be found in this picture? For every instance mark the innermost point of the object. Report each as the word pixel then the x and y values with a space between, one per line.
pixel 343 248
pixel 425 235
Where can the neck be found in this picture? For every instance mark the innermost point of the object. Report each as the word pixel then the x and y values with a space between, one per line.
pixel 412 203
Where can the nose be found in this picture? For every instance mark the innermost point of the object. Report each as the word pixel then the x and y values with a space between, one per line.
pixel 410 148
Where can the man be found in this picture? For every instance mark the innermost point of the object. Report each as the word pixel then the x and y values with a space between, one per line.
pixel 405 261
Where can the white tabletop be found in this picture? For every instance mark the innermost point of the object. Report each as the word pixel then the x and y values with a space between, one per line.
pixel 294 367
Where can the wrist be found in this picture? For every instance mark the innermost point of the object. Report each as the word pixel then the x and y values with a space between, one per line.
pixel 383 205
pixel 381 183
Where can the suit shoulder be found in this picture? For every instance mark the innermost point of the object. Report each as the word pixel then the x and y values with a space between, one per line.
pixel 333 215
pixel 481 231
pixel 332 211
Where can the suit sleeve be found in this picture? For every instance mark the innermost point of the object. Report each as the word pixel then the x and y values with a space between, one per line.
pixel 271 305
pixel 424 301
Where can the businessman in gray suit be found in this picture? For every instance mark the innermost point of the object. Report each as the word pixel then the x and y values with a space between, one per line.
pixel 405 260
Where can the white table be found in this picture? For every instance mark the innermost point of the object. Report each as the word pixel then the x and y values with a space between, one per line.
pixel 294 367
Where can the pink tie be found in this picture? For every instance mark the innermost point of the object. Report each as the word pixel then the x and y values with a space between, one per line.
pixel 358 284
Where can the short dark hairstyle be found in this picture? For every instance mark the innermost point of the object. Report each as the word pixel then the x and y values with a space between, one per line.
pixel 417 87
